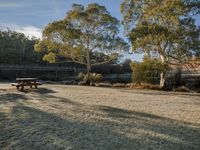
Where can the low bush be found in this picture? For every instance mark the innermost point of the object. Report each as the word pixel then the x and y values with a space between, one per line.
pixel 119 85
pixel 147 71
pixel 145 86
pixel 181 89
pixel 90 78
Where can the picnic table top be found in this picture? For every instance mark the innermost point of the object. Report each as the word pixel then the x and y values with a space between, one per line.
pixel 26 79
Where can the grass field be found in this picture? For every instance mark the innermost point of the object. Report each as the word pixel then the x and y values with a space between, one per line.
pixel 75 117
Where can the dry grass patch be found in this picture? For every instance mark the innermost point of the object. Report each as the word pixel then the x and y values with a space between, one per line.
pixel 75 117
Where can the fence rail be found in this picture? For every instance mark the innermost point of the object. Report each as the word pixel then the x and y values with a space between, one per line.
pixel 36 68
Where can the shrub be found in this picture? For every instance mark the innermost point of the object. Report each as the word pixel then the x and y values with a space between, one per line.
pixel 92 78
pixel 81 76
pixel 96 77
pixel 147 71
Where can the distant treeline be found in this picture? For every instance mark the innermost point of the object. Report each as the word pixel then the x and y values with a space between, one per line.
pixel 17 49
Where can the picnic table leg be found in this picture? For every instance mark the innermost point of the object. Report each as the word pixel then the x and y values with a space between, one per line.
pixel 30 84
pixel 35 84
pixel 18 85
pixel 22 88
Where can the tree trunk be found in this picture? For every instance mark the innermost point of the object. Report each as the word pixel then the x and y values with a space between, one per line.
pixel 88 81
pixel 88 68
pixel 88 63
pixel 162 74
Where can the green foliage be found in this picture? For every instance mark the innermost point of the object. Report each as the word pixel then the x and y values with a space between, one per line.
pixel 96 77
pixel 147 71
pixel 87 35
pixel 163 26
pixel 50 57
pixel 90 78
pixel 16 48
pixel 81 76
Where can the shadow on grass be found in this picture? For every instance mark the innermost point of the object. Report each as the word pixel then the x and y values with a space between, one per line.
pixel 34 128
pixel 157 93
pixel 38 90
pixel 106 127
pixel 188 134
pixel 11 97
pixel 116 112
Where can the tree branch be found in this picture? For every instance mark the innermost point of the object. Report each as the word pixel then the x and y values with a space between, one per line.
pixel 101 63
pixel 70 61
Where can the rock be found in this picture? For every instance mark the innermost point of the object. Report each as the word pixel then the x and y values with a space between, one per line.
pixel 119 85
pixel 128 85
pixel 181 89
pixel 105 84
pixel 81 83
pixel 92 84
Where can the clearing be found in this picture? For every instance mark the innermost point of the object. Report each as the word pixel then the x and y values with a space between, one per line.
pixel 81 117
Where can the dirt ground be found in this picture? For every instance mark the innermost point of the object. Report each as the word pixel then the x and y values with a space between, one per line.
pixel 79 117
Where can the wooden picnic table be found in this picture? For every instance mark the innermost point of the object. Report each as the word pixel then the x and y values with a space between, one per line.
pixel 21 82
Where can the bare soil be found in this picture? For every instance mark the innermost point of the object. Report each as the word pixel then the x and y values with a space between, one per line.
pixel 81 117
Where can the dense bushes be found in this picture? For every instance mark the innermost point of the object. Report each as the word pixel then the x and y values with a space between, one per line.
pixel 90 78
pixel 147 71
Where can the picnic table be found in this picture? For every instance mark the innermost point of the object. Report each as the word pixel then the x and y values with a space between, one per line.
pixel 21 82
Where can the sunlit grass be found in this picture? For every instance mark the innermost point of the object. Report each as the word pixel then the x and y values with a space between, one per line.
pixel 74 117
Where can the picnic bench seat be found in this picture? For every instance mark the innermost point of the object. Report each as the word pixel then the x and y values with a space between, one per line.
pixel 38 83
pixel 16 84
pixel 26 82
pixel 20 84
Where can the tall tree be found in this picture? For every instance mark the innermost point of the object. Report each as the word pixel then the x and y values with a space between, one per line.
pixel 16 48
pixel 83 32
pixel 163 26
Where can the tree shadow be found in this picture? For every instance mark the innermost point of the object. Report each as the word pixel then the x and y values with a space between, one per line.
pixel 11 97
pixel 34 128
pixel 159 93
pixel 38 91
pixel 188 133
pixel 44 91
pixel 117 112
pixel 92 127
pixel 30 127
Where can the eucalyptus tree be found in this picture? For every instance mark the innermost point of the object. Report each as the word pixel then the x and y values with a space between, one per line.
pixel 163 26
pixel 83 33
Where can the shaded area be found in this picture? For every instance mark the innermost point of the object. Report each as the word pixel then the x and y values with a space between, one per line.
pixel 38 129
pixel 39 90
pixel 43 91
pixel 91 126
pixel 11 97
pixel 117 112
pixel 187 135
pixel 159 93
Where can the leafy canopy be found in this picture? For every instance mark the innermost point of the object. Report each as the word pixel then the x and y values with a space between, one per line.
pixel 164 26
pixel 16 48
pixel 147 71
pixel 82 36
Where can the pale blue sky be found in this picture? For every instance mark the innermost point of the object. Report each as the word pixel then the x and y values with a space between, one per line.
pixel 30 16
pixel 40 12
